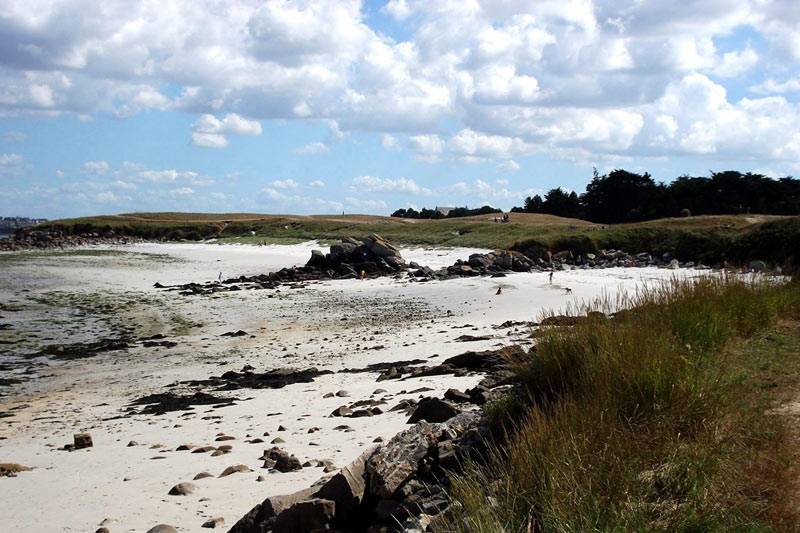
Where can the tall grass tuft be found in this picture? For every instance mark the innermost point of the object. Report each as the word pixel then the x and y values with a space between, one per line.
pixel 630 425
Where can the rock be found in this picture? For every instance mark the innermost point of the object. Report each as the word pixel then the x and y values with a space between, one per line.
pixel 162 528
pixel 343 394
pixel 82 440
pixel 433 410
pixel 235 469
pixel 202 475
pixel 328 395
pixel 287 463
pixel 306 515
pixel 223 438
pixel 132 443
pixel 277 440
pixel 11 469
pixel 213 523
pixel 392 465
pixel 342 411
pixel 204 449
pixel 102 530
pixel 183 489
pixel 346 489
pixel 261 518
pixel 317 258
pixel 455 395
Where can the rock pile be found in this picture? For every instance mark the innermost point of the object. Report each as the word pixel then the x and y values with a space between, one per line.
pixel 29 239
pixel 371 257
pixel 397 487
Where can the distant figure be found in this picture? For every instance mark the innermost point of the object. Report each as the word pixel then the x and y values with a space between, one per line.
pixel 551 276
pixel 363 274
pixel 220 277
pixel 569 291
pixel 499 290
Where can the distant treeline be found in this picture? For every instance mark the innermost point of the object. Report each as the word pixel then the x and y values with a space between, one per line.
pixel 453 213
pixel 623 196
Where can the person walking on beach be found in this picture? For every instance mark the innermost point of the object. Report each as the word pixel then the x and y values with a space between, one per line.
pixel 220 277
pixel 551 276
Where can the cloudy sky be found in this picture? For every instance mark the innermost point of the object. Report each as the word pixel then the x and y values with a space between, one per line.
pixel 328 106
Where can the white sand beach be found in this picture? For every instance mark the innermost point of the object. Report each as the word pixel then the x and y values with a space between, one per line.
pixel 63 298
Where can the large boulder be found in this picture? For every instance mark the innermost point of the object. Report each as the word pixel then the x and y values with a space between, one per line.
pixel 346 489
pixel 380 246
pixel 392 465
pixel 303 516
pixel 262 517
pixel 340 253
pixel 317 258
pixel 433 410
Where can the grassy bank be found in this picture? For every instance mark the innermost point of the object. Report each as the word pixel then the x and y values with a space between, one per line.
pixel 654 421
pixel 707 239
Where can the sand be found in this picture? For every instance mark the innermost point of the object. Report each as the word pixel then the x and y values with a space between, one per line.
pixel 65 298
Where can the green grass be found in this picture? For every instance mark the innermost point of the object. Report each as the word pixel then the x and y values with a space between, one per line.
pixel 651 422
pixel 708 239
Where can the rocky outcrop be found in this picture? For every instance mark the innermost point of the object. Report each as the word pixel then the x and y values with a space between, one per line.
pixel 401 482
pixel 30 239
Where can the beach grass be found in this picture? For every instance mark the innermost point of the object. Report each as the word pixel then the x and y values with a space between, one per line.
pixel 662 419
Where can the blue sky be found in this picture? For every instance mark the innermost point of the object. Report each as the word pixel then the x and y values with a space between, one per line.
pixel 321 107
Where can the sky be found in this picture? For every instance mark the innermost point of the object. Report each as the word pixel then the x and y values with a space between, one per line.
pixel 318 107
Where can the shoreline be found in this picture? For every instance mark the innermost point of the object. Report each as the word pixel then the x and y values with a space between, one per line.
pixel 385 320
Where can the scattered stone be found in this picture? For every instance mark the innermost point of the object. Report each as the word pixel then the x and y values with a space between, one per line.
pixel 342 394
pixel 82 440
pixel 342 411
pixel 235 469
pixel 183 489
pixel 132 443
pixel 277 440
pixel 213 523
pixel 202 475
pixel 287 463
pixel 11 469
pixel 162 528
pixel 204 449
pixel 433 410
pixel 223 438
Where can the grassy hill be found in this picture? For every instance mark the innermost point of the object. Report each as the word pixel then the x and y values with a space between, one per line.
pixel 703 238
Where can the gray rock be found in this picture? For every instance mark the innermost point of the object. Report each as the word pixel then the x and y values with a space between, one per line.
pixel 306 515
pixel 183 489
pixel 433 410
pixel 162 528
pixel 202 475
pixel 213 523
pixel 398 460
pixel 317 258
pixel 346 489
pixel 261 518
pixel 235 469
pixel 287 463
